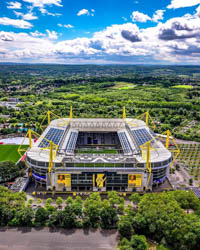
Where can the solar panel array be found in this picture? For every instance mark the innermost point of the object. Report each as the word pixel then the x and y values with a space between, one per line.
pixel 196 192
pixel 71 142
pixel 142 136
pixel 53 135
pixel 125 143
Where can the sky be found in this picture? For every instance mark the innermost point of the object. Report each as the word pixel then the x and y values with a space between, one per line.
pixel 100 31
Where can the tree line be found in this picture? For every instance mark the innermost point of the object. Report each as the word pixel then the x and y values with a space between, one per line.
pixel 170 218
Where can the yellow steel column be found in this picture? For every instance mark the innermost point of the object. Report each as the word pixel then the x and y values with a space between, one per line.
pixel 124 112
pixel 49 118
pixel 148 155
pixel 167 140
pixel 93 180
pixel 50 156
pixel 71 114
pixel 30 139
pixel 148 163
pixel 147 118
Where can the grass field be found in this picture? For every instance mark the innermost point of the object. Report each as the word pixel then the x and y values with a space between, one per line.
pixel 123 85
pixel 102 151
pixel 9 152
pixel 182 87
pixel 190 156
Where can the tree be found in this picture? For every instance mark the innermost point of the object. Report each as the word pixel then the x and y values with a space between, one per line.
pixel 8 170
pixel 59 201
pixel 25 216
pixel 69 201
pixel 39 201
pixel 41 216
pixel 30 201
pixel 108 215
pixel 190 181
pixel 49 201
pixel 125 244
pixel 68 218
pixel 125 227
pixel 92 209
pixel 138 242
pixel 55 219
pixel 77 206
pixel 135 198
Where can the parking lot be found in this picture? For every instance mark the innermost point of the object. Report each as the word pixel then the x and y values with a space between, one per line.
pixel 45 239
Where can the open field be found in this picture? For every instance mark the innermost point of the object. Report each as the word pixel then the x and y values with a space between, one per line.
pixel 9 152
pixel 182 87
pixel 190 156
pixel 100 151
pixel 123 85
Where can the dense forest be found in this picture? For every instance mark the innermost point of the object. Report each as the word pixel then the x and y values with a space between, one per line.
pixel 169 219
pixel 170 93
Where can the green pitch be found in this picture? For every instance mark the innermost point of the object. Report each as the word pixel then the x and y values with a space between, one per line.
pixel 9 152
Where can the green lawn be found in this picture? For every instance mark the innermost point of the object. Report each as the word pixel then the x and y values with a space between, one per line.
pixel 101 151
pixel 9 152
pixel 182 87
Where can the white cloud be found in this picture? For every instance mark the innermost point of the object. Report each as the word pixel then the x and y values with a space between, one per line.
pixel 139 17
pixel 124 18
pixel 45 12
pixel 15 23
pixel 37 34
pixel 83 12
pixel 198 11
pixel 175 41
pixel 29 16
pixel 68 26
pixel 86 12
pixel 42 3
pixel 158 15
pixel 175 4
pixel 52 34
pixel 14 5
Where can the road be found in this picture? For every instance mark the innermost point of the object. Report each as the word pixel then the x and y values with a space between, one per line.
pixel 62 239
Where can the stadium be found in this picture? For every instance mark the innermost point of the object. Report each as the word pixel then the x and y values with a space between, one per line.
pixel 75 154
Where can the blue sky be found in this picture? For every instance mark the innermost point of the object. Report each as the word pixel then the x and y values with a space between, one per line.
pixel 100 31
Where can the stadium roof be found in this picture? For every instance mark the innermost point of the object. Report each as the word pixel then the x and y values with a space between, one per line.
pixel 133 134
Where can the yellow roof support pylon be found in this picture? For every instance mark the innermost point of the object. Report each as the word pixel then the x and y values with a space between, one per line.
pixel 71 114
pixel 146 153
pixel 48 116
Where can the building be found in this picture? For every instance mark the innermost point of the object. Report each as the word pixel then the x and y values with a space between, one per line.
pixel 98 155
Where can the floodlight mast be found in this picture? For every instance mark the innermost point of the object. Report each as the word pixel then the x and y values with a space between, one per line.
pixel 124 112
pixel 30 138
pixel 148 162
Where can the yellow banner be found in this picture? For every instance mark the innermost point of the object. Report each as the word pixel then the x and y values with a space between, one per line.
pixel 134 180
pixel 64 179
pixel 100 180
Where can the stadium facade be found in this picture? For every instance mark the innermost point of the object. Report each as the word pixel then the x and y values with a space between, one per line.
pixel 98 155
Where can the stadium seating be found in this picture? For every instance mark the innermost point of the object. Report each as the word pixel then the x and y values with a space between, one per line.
pixel 71 142
pixel 125 143
pixel 53 135
pixel 142 136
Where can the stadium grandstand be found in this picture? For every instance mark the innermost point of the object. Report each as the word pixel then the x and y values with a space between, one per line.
pixel 74 154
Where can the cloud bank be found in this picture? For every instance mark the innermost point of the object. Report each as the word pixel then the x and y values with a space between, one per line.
pixel 174 41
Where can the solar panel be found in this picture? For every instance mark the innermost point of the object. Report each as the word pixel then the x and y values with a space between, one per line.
pixel 142 136
pixel 196 192
pixel 53 135
pixel 71 142
pixel 125 143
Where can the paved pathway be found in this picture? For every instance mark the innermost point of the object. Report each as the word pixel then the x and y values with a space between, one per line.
pixel 44 239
